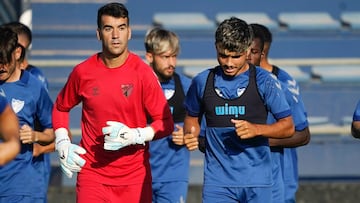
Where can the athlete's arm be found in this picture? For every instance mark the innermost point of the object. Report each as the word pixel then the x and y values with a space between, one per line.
pixel 28 135
pixel 283 128
pixel 191 132
pixel 9 133
pixel 355 129
pixel 300 138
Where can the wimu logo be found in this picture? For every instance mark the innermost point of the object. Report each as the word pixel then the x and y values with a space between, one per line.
pixel 226 110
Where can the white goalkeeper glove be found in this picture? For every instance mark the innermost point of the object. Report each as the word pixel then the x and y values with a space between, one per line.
pixel 70 161
pixel 118 135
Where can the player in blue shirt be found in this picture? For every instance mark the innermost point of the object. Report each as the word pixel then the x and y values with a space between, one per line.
pixel 235 98
pixel 25 39
pixel 283 151
pixel 9 132
pixel 169 157
pixel 23 178
pixel 355 125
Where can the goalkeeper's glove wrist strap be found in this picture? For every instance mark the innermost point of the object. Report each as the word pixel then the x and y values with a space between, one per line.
pixel 61 137
pixel 146 133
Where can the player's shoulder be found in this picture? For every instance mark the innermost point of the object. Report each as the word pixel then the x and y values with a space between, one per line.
pixel 262 74
pixel 284 74
pixel 202 76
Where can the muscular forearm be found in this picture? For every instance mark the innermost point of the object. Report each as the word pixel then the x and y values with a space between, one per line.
pixel 300 138
pixel 283 128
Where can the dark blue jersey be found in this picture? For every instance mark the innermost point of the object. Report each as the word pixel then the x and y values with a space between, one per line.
pixel 29 100
pixel 35 71
pixel 3 103
pixel 285 159
pixel 356 115
pixel 170 162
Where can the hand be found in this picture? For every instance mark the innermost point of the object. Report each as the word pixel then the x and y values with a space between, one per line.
pixel 191 141
pixel 178 135
pixel 70 160
pixel 244 129
pixel 118 135
pixel 27 135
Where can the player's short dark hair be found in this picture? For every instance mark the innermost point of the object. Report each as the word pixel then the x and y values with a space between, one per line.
pixel 234 35
pixel 8 44
pixel 266 32
pixel 20 29
pixel 258 33
pixel 117 10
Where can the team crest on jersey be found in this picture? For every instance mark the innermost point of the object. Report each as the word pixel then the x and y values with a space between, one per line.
pixel 169 93
pixel 17 105
pixel 127 89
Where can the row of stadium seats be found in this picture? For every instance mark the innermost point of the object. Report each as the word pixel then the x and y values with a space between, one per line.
pixel 324 73
pixel 292 21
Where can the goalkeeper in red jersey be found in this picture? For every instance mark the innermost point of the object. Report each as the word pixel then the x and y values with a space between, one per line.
pixel 118 92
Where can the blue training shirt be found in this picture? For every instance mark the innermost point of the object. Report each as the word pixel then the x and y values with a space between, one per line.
pixel 29 99
pixel 3 103
pixel 170 162
pixel 285 160
pixel 356 115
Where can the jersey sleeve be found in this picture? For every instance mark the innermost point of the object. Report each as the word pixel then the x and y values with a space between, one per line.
pixel 356 116
pixel 156 105
pixel 45 106
pixel 67 98
pixel 271 91
pixel 195 94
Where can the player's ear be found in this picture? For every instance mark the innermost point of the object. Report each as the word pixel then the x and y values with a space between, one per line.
pixel 129 33
pixel 19 53
pixel 149 57
pixel 98 34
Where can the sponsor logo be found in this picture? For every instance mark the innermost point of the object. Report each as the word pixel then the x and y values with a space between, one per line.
pixel 227 110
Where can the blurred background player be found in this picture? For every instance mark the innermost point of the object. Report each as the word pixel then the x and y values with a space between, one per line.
pixel 169 157
pixel 25 39
pixel 232 97
pixel 30 100
pixel 284 153
pixel 355 125
pixel 9 131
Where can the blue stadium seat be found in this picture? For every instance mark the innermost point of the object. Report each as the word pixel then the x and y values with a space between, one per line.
pixel 249 17
pixel 318 120
pixel 192 71
pixel 352 18
pixel 309 21
pixel 297 73
pixel 184 21
pixel 337 73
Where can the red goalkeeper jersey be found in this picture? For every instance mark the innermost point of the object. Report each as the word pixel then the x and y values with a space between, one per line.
pixel 128 94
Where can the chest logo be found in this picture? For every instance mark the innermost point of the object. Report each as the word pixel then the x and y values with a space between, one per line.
pixel 17 105
pixel 127 89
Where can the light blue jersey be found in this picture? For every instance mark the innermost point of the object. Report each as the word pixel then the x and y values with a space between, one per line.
pixel 25 175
